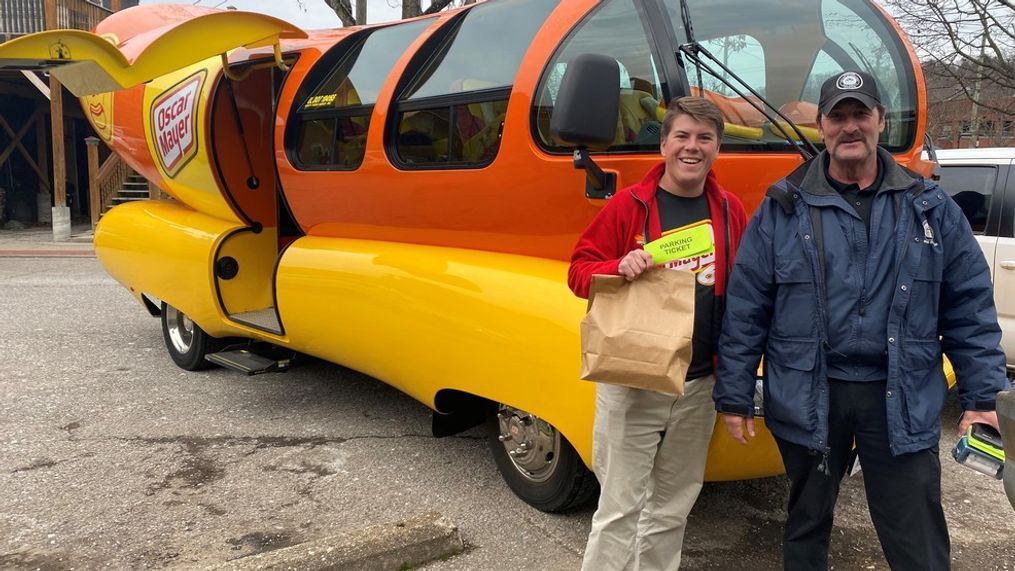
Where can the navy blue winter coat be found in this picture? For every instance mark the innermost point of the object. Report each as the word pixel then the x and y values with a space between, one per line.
pixel 777 305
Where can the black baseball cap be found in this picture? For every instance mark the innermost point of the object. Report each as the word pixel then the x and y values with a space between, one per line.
pixel 857 85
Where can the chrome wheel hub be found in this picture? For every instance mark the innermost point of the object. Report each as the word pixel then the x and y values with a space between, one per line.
pixel 532 444
pixel 181 329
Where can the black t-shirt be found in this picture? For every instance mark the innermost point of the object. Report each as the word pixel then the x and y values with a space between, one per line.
pixel 675 213
pixel 861 199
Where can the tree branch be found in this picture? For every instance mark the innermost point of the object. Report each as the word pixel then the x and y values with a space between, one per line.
pixel 436 6
pixel 343 9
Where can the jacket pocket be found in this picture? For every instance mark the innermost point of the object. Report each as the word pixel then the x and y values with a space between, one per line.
pixel 789 381
pixel 924 296
pixel 794 313
pixel 923 383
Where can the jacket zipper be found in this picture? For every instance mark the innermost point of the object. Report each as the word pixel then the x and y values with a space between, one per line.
pixel 726 224
pixel 820 291
pixel 644 236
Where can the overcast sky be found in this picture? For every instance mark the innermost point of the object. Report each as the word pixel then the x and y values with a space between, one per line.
pixel 315 14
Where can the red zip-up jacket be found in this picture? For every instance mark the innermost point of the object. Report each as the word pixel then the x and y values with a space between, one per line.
pixel 619 226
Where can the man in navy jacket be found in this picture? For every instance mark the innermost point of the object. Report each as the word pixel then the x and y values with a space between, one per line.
pixel 853 276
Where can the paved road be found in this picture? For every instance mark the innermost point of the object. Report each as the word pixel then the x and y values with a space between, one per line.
pixel 112 457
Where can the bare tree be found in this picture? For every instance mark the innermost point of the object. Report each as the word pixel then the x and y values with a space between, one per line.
pixel 966 44
pixel 438 5
pixel 410 8
pixel 344 9
pixel 413 8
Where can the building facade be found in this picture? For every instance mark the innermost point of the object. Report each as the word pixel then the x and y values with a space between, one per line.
pixel 955 122
pixel 37 170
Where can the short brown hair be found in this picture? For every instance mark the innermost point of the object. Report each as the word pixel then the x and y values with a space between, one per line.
pixel 699 108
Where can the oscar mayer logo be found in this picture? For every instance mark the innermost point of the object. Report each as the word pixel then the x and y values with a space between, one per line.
pixel 100 106
pixel 174 123
pixel 100 114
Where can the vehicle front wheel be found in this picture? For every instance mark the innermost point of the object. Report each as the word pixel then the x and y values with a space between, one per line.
pixel 186 341
pixel 538 463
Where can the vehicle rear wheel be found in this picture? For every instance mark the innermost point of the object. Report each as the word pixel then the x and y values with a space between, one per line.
pixel 186 341
pixel 538 463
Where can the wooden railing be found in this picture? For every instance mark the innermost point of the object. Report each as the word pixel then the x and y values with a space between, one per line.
pixel 104 182
pixel 20 17
pixel 78 14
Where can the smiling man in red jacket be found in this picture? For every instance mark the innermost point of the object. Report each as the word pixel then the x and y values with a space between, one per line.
pixel 649 448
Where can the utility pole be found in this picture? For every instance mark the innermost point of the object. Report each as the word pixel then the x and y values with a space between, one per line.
pixel 361 12
pixel 974 118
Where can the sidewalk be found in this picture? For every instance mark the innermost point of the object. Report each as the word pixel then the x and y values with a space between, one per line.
pixel 37 242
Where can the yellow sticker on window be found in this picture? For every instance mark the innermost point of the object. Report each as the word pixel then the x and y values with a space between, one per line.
pixel 318 101
pixel 681 244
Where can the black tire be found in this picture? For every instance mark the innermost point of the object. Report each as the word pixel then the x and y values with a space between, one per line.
pixel 186 342
pixel 566 484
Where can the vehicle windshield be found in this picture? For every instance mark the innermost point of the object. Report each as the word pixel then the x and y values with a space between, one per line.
pixel 785 49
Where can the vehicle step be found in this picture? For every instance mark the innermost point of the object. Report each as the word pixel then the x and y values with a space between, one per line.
pixel 247 362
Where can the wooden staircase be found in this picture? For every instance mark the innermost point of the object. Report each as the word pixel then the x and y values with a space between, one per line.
pixel 112 182
pixel 134 188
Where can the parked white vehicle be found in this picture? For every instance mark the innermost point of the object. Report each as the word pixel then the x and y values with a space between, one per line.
pixel 982 182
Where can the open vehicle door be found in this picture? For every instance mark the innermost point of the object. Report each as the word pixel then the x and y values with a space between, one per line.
pixel 89 64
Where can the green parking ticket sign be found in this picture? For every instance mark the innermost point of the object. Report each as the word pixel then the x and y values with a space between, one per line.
pixel 681 244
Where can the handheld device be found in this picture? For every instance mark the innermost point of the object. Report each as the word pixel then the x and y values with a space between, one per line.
pixel 981 449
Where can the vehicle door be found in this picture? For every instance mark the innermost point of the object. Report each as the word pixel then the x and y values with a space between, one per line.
pixel 977 186
pixel 1004 260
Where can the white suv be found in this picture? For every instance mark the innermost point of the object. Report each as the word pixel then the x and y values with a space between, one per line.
pixel 982 182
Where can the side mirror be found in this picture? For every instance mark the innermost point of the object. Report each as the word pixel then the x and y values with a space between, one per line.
pixel 588 102
pixel 585 116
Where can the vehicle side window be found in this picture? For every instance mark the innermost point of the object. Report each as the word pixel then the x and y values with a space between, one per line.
pixel 335 118
pixel 316 142
pixel 615 30
pixel 452 112
pixel 972 188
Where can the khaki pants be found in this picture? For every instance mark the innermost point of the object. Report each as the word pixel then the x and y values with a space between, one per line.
pixel 648 452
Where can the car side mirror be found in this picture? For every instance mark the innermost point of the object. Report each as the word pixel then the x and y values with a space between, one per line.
pixel 585 116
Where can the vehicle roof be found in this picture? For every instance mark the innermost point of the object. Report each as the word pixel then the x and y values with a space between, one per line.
pixel 981 153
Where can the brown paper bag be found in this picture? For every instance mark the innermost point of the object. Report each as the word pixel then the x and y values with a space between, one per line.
pixel 638 334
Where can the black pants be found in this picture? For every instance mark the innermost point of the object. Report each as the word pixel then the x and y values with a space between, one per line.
pixel 903 492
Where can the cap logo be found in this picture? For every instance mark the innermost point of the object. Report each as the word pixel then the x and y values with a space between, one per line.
pixel 849 81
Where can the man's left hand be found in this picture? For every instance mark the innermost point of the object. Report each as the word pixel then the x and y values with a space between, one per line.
pixel 985 417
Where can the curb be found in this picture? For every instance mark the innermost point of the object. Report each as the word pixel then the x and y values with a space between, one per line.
pixel 47 253
pixel 400 545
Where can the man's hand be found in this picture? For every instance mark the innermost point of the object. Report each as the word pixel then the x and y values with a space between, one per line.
pixel 634 263
pixel 971 416
pixel 739 427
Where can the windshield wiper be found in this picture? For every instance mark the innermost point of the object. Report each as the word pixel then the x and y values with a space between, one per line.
pixel 685 16
pixel 694 51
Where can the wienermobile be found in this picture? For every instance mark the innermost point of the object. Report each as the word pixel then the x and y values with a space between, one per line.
pixel 400 198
